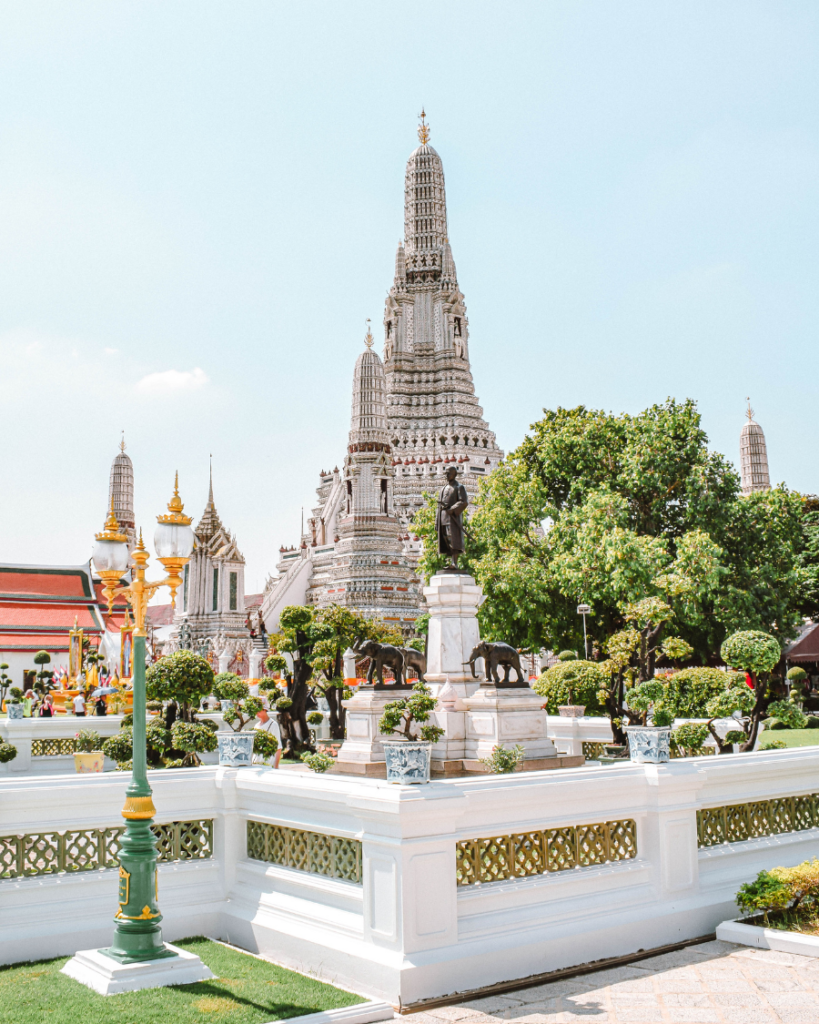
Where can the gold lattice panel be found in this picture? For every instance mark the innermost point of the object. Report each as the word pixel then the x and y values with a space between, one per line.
pixel 314 852
pixel 735 823
pixel 538 852
pixel 46 853
pixel 52 748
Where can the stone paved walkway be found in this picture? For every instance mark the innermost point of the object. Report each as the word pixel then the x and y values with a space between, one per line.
pixel 711 982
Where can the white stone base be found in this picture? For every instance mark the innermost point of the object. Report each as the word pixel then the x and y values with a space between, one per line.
pixel 497 715
pixel 768 938
pixel 360 1013
pixel 363 744
pixel 453 602
pixel 107 976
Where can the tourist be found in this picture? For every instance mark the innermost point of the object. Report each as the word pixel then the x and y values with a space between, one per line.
pixel 79 705
pixel 29 700
pixel 47 707
pixel 100 707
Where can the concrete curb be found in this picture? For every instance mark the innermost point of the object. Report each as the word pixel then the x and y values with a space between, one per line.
pixel 360 1013
pixel 768 938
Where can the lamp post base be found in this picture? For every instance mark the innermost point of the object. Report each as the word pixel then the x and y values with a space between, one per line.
pixel 100 972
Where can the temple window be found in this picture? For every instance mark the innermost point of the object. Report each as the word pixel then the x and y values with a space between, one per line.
pixel 234 590
pixel 216 589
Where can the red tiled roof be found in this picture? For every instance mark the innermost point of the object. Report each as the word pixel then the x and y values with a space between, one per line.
pixel 253 600
pixel 42 581
pixel 160 614
pixel 47 616
pixel 33 642
pixel 807 648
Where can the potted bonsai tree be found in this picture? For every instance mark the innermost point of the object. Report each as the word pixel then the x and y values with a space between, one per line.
pixel 88 755
pixel 650 743
pixel 408 751
pixel 239 709
pixel 14 705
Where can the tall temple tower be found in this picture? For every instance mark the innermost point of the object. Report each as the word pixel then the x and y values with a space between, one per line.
pixel 121 493
pixel 212 595
pixel 370 570
pixel 753 456
pixel 433 414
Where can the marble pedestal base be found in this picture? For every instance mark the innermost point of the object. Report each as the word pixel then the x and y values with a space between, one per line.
pixel 453 602
pixel 512 716
pixel 362 752
pixel 93 968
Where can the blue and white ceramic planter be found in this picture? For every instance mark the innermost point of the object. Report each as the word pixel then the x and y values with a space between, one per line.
pixel 226 705
pixel 235 749
pixel 649 744
pixel 408 761
pixel 14 710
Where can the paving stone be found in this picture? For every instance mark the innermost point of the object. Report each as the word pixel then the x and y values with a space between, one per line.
pixel 716 947
pixel 555 989
pixel 789 1000
pixel 492 1003
pixel 779 984
pixel 634 985
pixel 671 981
pixel 452 1013
pixel 666 961
pixel 613 975
pixel 748 1015
pixel 687 999
pixel 694 1015
pixel 736 999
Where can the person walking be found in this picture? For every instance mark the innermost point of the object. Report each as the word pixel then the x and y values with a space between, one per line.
pixel 100 707
pixel 79 706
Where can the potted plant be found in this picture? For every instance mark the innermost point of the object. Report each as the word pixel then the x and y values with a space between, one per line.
pixel 502 760
pixel 650 743
pixel 14 706
pixel 238 710
pixel 88 756
pixel 408 753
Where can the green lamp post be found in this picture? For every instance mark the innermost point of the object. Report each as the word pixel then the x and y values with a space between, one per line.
pixel 138 932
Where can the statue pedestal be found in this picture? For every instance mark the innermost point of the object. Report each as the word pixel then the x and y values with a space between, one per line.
pixel 497 715
pixel 453 601
pixel 362 752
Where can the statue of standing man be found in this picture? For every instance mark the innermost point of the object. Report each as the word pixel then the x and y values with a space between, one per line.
pixel 449 520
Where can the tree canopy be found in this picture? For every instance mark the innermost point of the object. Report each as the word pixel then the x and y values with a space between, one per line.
pixel 637 517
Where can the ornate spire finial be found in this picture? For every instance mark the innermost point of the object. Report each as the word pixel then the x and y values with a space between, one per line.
pixel 749 410
pixel 423 128
pixel 368 339
pixel 210 487
pixel 122 444
pixel 112 530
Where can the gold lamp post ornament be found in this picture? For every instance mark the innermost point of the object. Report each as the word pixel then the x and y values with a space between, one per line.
pixel 138 935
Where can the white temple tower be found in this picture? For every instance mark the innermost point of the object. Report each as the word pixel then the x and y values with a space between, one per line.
pixel 121 492
pixel 212 595
pixel 753 456
pixel 370 571
pixel 434 418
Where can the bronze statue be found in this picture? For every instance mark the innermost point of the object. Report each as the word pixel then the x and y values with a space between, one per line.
pixel 449 524
pixel 414 659
pixel 494 655
pixel 381 655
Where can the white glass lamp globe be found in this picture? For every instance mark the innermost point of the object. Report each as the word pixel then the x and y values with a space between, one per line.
pixel 110 555
pixel 173 540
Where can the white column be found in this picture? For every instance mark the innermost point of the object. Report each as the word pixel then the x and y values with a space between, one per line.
pixel 453 602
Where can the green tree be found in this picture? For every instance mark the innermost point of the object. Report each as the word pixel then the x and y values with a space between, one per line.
pixel 614 510
pixel 756 653
pixel 572 682
pixel 317 640
pixel 244 709
pixel 180 681
pixel 809 556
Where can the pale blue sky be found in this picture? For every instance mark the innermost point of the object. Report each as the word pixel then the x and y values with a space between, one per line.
pixel 216 189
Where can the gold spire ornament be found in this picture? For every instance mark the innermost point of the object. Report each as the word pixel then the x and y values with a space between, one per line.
pixel 423 129
pixel 122 445
pixel 749 410
pixel 368 339
pixel 175 508
pixel 112 530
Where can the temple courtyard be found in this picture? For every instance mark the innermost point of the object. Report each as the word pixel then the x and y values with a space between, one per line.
pixel 710 983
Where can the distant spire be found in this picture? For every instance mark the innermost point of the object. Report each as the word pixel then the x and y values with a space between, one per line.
pixel 210 488
pixel 122 445
pixel 423 129
pixel 753 456
pixel 368 338
pixel 749 410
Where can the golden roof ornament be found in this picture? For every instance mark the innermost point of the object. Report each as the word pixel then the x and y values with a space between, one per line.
pixel 112 530
pixel 423 129
pixel 175 508
pixel 122 445
pixel 368 339
pixel 749 410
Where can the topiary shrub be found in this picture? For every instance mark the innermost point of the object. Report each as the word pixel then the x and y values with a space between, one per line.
pixel 182 678
pixel 317 762
pixel 572 682
pixel 193 738
pixel 813 722
pixel 692 689
pixel 788 715
pixel 265 744
pixel 8 752
pixel 315 717
pixel 688 739
pixel 752 651
pixel 567 656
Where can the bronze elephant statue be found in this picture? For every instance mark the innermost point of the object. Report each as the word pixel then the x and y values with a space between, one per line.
pixel 381 655
pixel 414 659
pixel 494 655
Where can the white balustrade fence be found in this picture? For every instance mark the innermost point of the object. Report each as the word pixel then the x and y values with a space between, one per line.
pixel 413 892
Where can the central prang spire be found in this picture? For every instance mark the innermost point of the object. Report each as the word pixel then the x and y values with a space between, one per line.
pixel 425 230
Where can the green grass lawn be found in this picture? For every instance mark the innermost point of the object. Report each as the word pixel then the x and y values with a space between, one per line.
pixel 246 990
pixel 791 737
